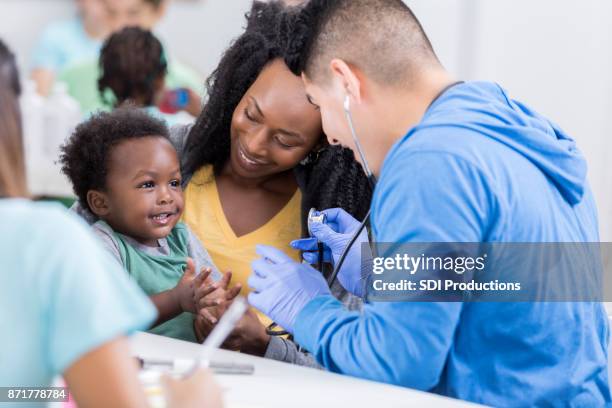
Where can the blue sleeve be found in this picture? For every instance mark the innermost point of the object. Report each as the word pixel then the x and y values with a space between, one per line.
pixel 424 197
pixel 86 297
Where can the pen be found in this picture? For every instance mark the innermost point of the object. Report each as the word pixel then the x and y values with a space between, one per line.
pixel 182 365
pixel 218 335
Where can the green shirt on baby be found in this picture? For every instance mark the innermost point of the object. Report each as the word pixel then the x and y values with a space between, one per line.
pixel 158 273
pixel 157 269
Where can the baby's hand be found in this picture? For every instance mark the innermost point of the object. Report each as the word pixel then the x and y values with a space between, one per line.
pixel 204 292
pixel 184 291
pixel 213 303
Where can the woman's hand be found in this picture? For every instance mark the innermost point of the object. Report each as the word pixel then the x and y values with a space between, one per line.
pixel 249 336
pixel 198 390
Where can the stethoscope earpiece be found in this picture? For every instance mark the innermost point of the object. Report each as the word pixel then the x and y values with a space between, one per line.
pixel 364 162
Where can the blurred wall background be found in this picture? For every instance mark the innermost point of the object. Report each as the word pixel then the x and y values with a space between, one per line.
pixel 554 55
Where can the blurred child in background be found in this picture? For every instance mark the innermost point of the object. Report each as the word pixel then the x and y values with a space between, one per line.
pixel 82 78
pixel 133 69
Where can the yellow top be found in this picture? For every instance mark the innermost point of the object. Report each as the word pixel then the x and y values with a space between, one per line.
pixel 204 215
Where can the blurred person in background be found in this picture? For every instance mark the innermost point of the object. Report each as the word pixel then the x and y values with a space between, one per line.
pixel 58 320
pixel 82 78
pixel 134 70
pixel 66 42
pixel 129 13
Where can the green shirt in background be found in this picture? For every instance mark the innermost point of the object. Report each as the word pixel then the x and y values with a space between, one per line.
pixel 82 81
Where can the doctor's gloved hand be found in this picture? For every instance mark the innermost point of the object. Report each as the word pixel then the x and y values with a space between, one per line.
pixel 282 287
pixel 335 234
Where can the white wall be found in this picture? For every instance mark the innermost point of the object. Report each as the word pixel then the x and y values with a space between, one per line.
pixel 22 21
pixel 554 55
pixel 557 58
pixel 198 32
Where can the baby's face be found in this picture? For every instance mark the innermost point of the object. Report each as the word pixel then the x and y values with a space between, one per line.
pixel 143 188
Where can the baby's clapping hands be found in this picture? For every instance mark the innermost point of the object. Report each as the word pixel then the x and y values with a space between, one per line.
pixel 213 298
pixel 200 294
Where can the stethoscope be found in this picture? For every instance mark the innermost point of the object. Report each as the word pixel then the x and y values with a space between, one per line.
pixel 320 218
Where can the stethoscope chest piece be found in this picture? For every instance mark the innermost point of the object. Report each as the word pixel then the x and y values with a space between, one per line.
pixel 315 218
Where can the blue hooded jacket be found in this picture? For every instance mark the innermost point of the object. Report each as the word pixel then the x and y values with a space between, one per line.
pixel 479 167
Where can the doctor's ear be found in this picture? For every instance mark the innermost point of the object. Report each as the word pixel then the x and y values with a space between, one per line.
pixel 98 203
pixel 348 79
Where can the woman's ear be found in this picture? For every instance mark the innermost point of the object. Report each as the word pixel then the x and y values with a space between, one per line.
pixel 313 156
pixel 98 203
pixel 321 144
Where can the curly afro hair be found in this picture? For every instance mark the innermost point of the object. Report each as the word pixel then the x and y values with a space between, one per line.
pixel 132 62
pixel 84 157
pixel 332 178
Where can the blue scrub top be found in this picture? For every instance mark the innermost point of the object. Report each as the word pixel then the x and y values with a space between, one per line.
pixel 61 294
pixel 63 44
pixel 479 167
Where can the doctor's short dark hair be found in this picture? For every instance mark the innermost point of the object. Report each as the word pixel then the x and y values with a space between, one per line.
pixel 331 179
pixel 383 38
pixel 132 65
pixel 84 157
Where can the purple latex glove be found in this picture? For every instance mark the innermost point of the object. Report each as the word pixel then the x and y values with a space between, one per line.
pixel 282 287
pixel 335 235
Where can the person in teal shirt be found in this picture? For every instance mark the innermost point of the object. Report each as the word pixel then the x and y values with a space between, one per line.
pixel 67 42
pixel 43 282
pixel 65 304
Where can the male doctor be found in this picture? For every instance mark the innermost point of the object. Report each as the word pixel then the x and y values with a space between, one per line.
pixel 455 162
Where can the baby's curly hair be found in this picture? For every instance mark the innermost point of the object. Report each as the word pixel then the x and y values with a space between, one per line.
pixel 84 157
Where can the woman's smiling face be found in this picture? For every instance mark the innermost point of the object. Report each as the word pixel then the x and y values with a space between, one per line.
pixel 274 126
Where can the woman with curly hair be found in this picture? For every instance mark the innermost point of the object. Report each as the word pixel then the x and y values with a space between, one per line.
pixel 256 161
